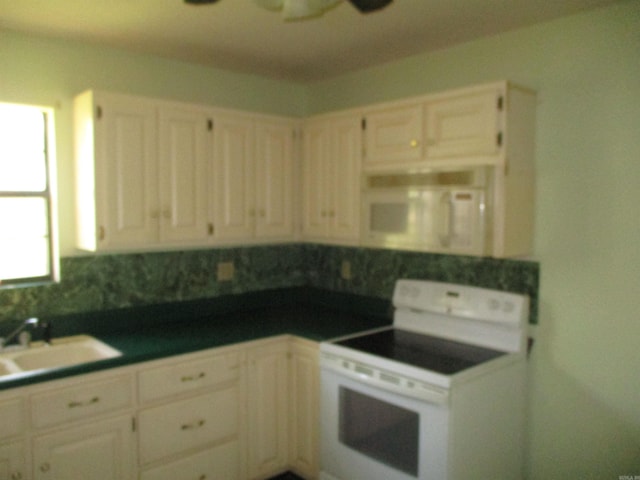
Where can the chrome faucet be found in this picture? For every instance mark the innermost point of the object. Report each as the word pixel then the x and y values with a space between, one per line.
pixel 22 327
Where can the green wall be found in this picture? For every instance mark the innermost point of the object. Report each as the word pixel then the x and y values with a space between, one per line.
pixel 584 417
pixel 585 368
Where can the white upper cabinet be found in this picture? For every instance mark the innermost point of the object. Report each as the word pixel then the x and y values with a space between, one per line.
pixel 116 171
pixel 141 172
pixel 274 179
pixel 153 173
pixel 185 150
pixel 482 125
pixel 253 171
pixel 234 194
pixel 393 135
pixel 465 125
pixel 331 178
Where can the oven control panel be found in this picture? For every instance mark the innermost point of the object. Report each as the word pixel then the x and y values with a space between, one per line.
pixel 462 301
pixel 379 378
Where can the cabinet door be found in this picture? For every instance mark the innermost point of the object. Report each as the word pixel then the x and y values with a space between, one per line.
pixel 315 178
pixel 99 451
pixel 304 393
pixel 12 461
pixel 234 195
pixel 268 409
pixel 344 178
pixel 393 136
pixel 185 149
pixel 125 172
pixel 274 179
pixel 463 125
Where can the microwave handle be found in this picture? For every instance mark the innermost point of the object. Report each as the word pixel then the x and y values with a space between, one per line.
pixel 445 219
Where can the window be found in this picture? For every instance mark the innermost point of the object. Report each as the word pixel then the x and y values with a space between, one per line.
pixel 27 242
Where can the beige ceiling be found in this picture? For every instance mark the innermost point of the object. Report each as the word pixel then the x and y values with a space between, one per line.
pixel 237 35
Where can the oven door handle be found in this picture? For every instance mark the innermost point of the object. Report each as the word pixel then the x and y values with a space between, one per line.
pixel 386 381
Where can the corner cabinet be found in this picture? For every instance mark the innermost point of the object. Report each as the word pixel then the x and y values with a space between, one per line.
pixel 331 178
pixel 152 174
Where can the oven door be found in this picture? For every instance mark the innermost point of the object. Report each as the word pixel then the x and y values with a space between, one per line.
pixel 371 433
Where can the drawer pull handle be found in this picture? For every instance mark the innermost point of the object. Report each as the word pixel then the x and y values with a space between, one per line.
pixel 86 403
pixel 192 426
pixel 192 378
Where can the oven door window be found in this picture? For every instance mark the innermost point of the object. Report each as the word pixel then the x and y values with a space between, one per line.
pixel 381 431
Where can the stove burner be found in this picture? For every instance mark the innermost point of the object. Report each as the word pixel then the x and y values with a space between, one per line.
pixel 419 350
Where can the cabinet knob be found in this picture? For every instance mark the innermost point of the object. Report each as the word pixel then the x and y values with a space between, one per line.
pixel 16 476
pixel 45 467
pixel 413 143
pixel 101 233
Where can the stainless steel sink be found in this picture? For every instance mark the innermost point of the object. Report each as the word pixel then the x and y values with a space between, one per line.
pixel 62 352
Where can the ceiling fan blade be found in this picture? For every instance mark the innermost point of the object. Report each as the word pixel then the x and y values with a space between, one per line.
pixel 200 2
pixel 366 6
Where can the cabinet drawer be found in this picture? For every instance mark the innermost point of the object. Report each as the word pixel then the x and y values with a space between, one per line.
pixel 187 424
pixel 221 462
pixel 187 376
pixel 81 401
pixel 12 420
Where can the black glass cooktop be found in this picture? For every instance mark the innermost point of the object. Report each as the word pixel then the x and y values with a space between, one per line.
pixel 423 351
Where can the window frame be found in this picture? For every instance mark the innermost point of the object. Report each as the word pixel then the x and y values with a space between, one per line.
pixel 49 194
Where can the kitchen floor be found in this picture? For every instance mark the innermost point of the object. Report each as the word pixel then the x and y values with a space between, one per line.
pixel 287 476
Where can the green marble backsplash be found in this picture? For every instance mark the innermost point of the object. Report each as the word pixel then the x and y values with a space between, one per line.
pixel 101 282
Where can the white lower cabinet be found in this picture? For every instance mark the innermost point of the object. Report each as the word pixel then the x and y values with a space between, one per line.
pixel 267 408
pixel 13 465
pixel 304 407
pixel 248 411
pixel 217 463
pixel 100 450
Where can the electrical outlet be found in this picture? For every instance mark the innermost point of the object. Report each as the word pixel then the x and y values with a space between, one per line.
pixel 226 271
pixel 345 270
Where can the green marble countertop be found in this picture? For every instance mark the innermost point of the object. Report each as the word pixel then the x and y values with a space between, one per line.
pixel 158 331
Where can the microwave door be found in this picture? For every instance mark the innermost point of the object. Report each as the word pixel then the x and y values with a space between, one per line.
pixel 392 219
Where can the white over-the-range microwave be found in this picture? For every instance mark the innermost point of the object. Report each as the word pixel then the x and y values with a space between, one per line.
pixel 445 211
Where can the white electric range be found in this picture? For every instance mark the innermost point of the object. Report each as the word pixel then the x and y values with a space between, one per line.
pixel 439 395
